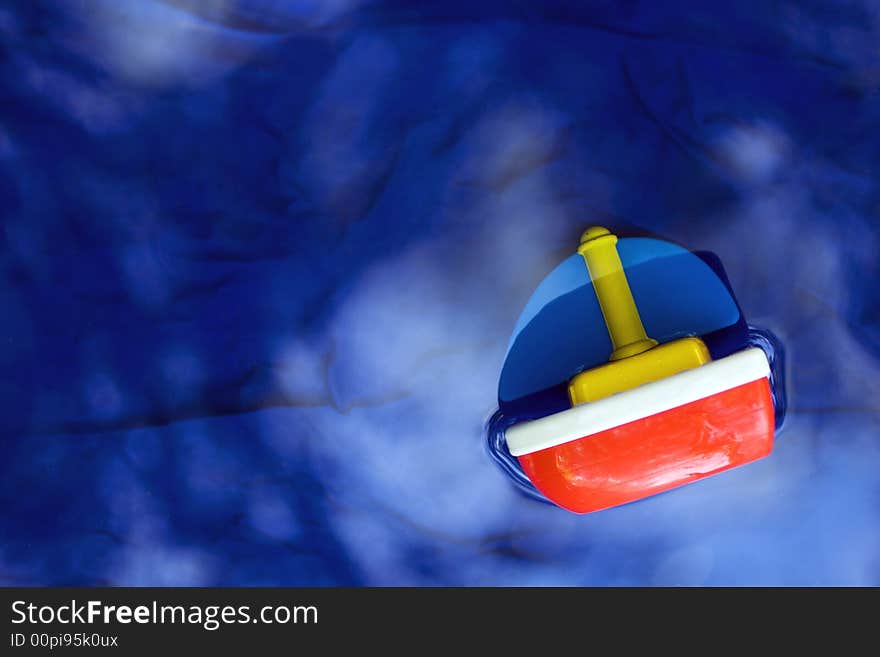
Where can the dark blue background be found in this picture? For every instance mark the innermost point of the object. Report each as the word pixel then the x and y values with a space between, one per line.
pixel 260 261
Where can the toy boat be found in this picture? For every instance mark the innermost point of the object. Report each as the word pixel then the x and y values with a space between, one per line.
pixel 656 416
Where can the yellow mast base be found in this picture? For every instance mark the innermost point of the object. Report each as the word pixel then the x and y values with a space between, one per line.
pixel 636 359
pixel 628 373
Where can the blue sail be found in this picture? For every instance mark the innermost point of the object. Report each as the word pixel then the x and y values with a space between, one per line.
pixel 561 330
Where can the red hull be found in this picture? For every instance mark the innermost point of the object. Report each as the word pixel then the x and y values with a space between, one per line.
pixel 657 452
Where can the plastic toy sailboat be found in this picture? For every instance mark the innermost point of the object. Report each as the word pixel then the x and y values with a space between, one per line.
pixel 656 416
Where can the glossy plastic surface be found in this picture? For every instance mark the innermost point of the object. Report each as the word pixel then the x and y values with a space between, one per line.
pixel 651 365
pixel 625 329
pixel 658 452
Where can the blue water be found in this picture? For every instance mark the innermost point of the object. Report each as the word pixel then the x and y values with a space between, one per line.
pixel 261 260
